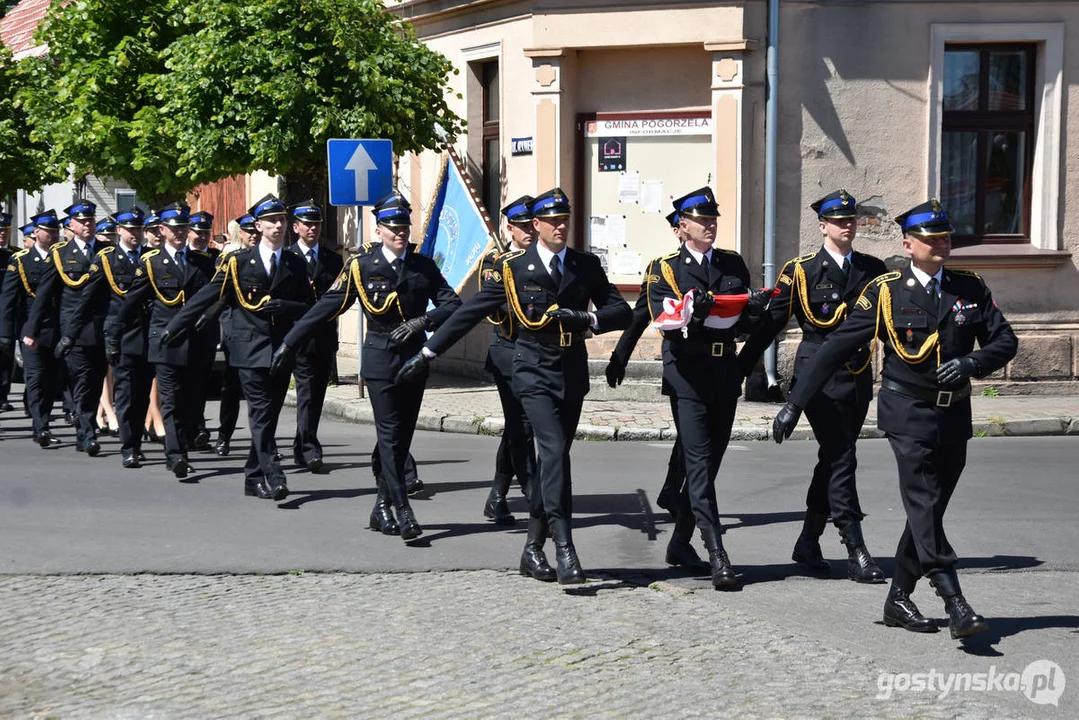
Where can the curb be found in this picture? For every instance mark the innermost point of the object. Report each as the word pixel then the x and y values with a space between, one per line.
pixel 476 425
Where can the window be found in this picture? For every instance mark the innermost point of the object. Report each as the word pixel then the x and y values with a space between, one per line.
pixel 126 199
pixel 491 183
pixel 987 141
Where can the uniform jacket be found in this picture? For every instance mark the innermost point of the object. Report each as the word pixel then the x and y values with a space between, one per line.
pixel 918 336
pixel 326 270
pixel 242 284
pixel 816 293
pixel 520 281
pixel 111 276
pixel 62 286
pixel 501 352
pixel 689 371
pixel 25 269
pixel 387 299
pixel 168 287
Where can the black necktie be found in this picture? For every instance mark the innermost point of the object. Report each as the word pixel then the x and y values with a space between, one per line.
pixel 396 265
pixel 180 259
pixel 134 255
pixel 311 258
pixel 273 265
pixel 932 289
pixel 556 271
pixel 845 267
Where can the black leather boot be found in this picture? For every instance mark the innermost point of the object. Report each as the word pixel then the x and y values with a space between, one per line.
pixel 382 518
pixel 533 562
pixel 569 570
pixel 807 548
pixel 723 577
pixel 861 567
pixel 900 611
pixel 679 550
pixel 962 620
pixel 410 529
pixel 496 508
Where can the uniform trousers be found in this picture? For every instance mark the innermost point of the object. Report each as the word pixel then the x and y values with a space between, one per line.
pixel 312 373
pixel 396 409
pixel 178 389
pixel 554 423
pixel 133 378
pixel 928 475
pixel 704 428
pixel 833 489
pixel 265 395
pixel 228 413
pixel 86 368
pixel 516 450
pixel 41 371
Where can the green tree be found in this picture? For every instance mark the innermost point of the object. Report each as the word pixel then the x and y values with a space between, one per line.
pixel 264 85
pixel 24 163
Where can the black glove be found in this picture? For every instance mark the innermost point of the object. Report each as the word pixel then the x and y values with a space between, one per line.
pixel 616 371
pixel 63 346
pixel 287 308
pixel 282 357
pixel 171 338
pixel 112 354
pixel 785 422
pixel 702 303
pixel 758 302
pixel 209 316
pixel 408 329
pixel 957 371
pixel 572 320
pixel 416 369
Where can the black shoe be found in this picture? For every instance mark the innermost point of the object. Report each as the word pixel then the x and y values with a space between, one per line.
pixel 93 448
pixel 900 611
pixel 807 548
pixel 668 499
pixel 723 576
pixel 861 567
pixel 278 489
pixel 202 440
pixel 180 468
pixel 410 529
pixel 567 566
pixel 6 407
pixel 533 562
pixel 256 488
pixel 496 509
pixel 130 460
pixel 682 554
pixel 140 456
pixel 221 447
pixel 382 519
pixel 315 464
pixel 46 440
pixel 278 456
pixel 70 418
pixel 962 620
pixel 414 486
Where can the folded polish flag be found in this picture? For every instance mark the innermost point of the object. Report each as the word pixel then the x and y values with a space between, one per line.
pixel 723 314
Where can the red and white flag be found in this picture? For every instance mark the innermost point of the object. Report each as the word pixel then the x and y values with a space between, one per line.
pixel 723 314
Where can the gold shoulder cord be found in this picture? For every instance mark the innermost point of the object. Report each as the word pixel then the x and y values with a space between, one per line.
pixel 505 324
pixel 668 275
pixel 106 267
pixel 22 276
pixel 230 268
pixel 178 300
pixel 931 343
pixel 370 307
pixel 802 285
pixel 515 304
pixel 73 284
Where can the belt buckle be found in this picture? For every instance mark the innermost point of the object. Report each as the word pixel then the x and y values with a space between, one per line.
pixel 717 349
pixel 565 339
pixel 944 398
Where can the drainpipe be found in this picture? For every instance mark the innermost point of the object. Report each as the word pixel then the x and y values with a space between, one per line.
pixel 770 133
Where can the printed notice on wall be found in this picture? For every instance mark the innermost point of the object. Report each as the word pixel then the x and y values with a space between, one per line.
pixel 597 232
pixel 627 187
pixel 616 231
pixel 652 196
pixel 625 262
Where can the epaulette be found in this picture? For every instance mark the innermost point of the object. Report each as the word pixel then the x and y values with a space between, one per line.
pixel 368 247
pixel 106 250
pixel 20 253
pixel 200 252
pixel 802 258
pixel 668 256
pixel 56 246
pixel 149 254
pixel 888 277
pixel 968 273
pixel 511 254
pixel 729 252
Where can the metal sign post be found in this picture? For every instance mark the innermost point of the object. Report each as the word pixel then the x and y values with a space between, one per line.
pixel 359 315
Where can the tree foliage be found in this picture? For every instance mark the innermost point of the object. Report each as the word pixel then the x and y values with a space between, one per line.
pixel 24 163
pixel 168 94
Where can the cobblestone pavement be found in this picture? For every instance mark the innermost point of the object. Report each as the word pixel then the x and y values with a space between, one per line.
pixel 453 404
pixel 428 645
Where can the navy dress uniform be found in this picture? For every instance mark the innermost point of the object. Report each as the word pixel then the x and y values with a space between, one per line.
pixel 315 358
pixel 266 289
pixel 516 455
pixel 42 370
pixel 701 375
pixel 394 292
pixel 548 293
pixel 228 412
pixel 7 362
pixel 928 324
pixel 200 226
pixel 167 279
pixel 667 498
pixel 111 277
pixel 83 348
pixel 818 290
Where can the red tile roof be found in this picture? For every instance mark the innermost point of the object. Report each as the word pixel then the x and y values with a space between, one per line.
pixel 17 27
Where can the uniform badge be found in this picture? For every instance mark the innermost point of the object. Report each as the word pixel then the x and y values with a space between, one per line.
pixel 910 282
pixel 910 335
pixel 863 303
pixel 165 261
pixel 826 308
pixel 138 272
pixel 531 267
pixel 652 279
pixel 252 261
pixel 495 276
pixel 784 280
pixel 93 267
pixel 689 260
pixel 960 318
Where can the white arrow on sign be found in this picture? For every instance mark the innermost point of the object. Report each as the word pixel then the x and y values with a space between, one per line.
pixel 360 164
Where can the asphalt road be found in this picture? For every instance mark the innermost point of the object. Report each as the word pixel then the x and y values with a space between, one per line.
pixel 1012 522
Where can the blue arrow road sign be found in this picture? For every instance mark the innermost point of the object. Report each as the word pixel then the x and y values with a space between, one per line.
pixel 361 171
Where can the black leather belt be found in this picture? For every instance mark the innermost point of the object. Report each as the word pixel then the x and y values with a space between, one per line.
pixel 940 398
pixel 548 337
pixel 720 348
